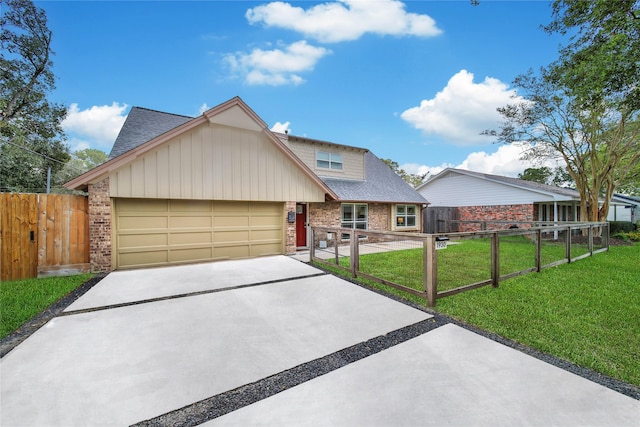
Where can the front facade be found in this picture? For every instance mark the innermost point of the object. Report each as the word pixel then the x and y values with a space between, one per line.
pixel 484 197
pixel 218 186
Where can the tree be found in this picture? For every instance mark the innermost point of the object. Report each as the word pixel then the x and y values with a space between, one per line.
pixel 584 108
pixel 545 175
pixel 31 138
pixel 413 179
pixel 80 162
pixel 602 60
pixel 599 146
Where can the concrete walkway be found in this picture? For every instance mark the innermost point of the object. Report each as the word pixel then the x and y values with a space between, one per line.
pixel 173 345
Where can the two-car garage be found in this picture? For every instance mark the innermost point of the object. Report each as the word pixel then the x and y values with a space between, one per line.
pixel 150 232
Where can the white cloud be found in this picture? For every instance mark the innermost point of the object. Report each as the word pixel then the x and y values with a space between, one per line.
pixel 462 109
pixel 345 19
pixel 281 127
pixel 96 127
pixel 204 107
pixel 276 67
pixel 505 161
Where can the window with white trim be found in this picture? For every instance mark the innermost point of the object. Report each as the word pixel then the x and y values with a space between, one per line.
pixel 353 215
pixel 326 160
pixel 406 216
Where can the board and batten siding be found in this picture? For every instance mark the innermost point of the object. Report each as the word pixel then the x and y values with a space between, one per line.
pixel 462 190
pixel 215 162
pixel 352 159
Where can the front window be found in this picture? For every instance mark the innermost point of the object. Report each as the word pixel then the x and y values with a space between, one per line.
pixel 354 215
pixel 326 160
pixel 405 216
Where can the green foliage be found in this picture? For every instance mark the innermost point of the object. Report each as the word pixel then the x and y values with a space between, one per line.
pixel 31 137
pixel 545 175
pixel 621 226
pixel 602 61
pixel 413 179
pixel 20 300
pixel 81 161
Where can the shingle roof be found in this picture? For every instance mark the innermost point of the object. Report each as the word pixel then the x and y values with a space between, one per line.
pixel 143 125
pixel 381 185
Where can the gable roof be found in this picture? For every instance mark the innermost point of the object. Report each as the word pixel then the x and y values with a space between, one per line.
pixel 142 125
pixel 513 182
pixel 380 185
pixel 169 127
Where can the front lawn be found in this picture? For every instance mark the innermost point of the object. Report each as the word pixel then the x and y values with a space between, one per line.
pixel 21 300
pixel 586 312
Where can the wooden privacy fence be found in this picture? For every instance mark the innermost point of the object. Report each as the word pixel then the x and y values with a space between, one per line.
pixel 414 263
pixel 43 235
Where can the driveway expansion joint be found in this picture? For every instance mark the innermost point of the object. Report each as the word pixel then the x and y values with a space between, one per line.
pixel 232 400
pixel 185 295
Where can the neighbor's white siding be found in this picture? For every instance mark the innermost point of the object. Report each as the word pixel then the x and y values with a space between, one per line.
pixel 462 190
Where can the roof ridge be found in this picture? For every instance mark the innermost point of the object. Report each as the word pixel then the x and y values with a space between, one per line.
pixel 162 112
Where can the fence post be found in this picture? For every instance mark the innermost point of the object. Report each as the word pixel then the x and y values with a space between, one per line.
pixel 430 270
pixel 495 259
pixel 354 253
pixel 606 235
pixel 567 242
pixel 312 247
pixel 591 239
pixel 539 250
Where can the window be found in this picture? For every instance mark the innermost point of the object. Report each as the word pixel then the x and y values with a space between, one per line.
pixel 405 216
pixel 353 215
pixel 326 160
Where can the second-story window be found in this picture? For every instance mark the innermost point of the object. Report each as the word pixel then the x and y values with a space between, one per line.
pixel 326 160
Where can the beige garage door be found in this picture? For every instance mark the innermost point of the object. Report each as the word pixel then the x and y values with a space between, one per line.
pixel 153 232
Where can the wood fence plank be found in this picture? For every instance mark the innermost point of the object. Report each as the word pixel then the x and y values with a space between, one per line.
pixel 65 230
pixel 42 229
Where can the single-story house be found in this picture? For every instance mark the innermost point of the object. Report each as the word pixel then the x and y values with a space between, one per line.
pixel 624 208
pixel 480 196
pixel 178 189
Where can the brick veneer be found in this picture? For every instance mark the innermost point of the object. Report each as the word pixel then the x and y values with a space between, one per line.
pixel 100 227
pixel 290 229
pixel 523 212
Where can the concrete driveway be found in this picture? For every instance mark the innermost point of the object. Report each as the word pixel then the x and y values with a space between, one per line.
pixel 273 341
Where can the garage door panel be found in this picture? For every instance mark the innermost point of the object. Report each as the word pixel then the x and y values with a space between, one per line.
pixel 142 222
pixel 157 232
pixel 142 240
pixel 141 259
pixel 241 236
pixel 190 206
pixel 190 221
pixel 194 254
pixel 240 220
pixel 226 252
pixel 142 205
pixel 265 235
pixel 190 238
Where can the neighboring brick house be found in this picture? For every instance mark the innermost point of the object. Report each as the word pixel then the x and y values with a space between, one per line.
pixel 484 197
pixel 177 189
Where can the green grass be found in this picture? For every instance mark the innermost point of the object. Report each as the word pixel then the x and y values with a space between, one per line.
pixel 586 312
pixel 21 300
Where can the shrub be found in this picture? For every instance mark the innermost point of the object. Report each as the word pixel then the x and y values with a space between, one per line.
pixel 616 227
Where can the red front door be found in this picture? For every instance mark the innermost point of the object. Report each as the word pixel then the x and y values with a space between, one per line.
pixel 301 225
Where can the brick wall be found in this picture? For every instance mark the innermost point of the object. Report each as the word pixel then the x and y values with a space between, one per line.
pixel 328 215
pixel 523 212
pixel 290 229
pixel 100 227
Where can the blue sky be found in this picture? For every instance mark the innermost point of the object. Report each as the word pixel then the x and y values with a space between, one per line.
pixel 414 81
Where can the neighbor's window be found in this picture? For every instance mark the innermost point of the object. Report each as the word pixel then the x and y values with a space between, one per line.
pixel 405 216
pixel 328 160
pixel 353 215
